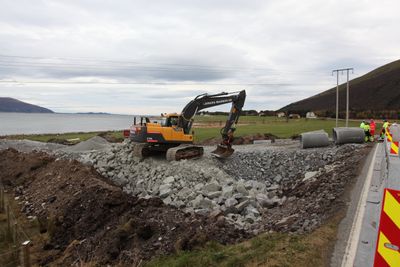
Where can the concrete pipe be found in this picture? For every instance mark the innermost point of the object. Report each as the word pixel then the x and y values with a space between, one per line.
pixel 314 139
pixel 343 135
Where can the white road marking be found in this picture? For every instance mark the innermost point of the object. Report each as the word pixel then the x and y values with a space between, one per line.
pixel 354 236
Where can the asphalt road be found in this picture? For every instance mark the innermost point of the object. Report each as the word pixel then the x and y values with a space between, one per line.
pixel 347 239
pixel 358 231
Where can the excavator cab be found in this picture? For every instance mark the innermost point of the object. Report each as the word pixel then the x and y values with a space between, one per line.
pixel 169 120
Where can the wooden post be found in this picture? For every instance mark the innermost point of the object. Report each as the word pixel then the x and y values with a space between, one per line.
pixel 15 240
pixel 15 234
pixel 26 257
pixel 1 200
pixel 8 223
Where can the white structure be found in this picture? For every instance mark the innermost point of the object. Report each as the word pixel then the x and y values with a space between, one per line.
pixel 311 115
pixel 281 114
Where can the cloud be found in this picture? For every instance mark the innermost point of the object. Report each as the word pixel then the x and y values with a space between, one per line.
pixel 279 51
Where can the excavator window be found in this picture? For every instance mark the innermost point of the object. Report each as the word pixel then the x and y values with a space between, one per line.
pixel 170 121
pixel 174 121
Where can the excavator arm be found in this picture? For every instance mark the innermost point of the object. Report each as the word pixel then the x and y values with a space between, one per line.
pixel 205 101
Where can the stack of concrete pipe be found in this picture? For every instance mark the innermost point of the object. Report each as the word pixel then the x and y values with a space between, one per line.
pixel 314 139
pixel 343 135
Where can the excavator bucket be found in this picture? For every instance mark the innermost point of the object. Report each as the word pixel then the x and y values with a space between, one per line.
pixel 222 151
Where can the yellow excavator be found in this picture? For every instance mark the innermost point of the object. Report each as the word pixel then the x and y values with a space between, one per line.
pixel 173 134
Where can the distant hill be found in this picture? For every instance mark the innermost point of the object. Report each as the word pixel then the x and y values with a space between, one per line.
pixel 8 104
pixel 375 94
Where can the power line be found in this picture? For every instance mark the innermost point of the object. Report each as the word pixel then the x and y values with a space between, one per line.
pixel 147 65
pixel 150 83
pixel 347 94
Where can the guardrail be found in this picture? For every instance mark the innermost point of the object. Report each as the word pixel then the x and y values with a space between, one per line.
pixel 392 157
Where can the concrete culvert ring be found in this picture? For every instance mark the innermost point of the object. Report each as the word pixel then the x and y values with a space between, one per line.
pixel 314 139
pixel 347 135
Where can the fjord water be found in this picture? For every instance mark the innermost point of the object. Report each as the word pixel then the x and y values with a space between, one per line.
pixel 39 123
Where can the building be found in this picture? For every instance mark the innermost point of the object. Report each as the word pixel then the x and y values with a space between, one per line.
pixel 281 114
pixel 311 115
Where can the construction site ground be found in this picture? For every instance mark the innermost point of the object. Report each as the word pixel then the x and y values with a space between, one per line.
pixel 272 204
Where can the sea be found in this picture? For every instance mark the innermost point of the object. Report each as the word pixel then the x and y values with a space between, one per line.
pixel 42 123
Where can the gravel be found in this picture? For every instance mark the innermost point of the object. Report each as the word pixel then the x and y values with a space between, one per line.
pixel 243 187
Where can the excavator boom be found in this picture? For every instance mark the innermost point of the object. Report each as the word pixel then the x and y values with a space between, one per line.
pixel 204 101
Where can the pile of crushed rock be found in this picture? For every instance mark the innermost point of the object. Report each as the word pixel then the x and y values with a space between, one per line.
pixel 241 188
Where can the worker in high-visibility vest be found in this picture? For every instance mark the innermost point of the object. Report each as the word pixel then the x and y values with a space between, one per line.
pixel 367 131
pixel 385 127
pixel 372 126
pixel 362 124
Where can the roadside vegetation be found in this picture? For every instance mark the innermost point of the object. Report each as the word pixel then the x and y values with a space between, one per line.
pixel 207 127
pixel 269 249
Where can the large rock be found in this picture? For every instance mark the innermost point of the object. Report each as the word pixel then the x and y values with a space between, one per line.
pixel 196 202
pixel 230 202
pixel 184 193
pixel 211 187
pixel 165 190
pixel 227 191
pixel 240 207
pixel 309 175
pixel 169 180
pixel 267 202
pixel 215 194
pixel 240 188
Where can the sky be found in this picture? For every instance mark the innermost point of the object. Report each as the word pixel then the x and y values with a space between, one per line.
pixel 148 57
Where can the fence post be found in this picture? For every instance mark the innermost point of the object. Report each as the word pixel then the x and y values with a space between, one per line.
pixel 15 240
pixel 26 257
pixel 1 199
pixel 15 234
pixel 8 223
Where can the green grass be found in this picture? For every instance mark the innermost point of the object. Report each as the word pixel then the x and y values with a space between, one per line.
pixel 222 118
pixel 276 249
pixel 64 136
pixel 280 128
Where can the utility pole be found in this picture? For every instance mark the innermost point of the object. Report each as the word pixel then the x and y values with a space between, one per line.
pixel 347 94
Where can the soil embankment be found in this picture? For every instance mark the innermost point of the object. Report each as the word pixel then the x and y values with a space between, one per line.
pixel 95 202
pixel 87 218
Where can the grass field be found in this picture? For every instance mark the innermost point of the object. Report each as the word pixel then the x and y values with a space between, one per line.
pixel 253 125
pixel 280 128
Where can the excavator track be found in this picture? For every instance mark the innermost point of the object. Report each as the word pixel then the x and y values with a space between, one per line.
pixel 141 150
pixel 184 152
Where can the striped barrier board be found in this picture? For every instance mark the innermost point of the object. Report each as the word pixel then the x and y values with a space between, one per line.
pixel 388 135
pixel 392 146
pixel 394 149
pixel 387 251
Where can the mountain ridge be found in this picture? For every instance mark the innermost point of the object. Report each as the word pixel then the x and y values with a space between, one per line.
pixel 376 93
pixel 8 104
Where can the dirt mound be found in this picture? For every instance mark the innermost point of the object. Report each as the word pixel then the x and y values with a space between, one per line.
pixel 242 140
pixel 88 219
